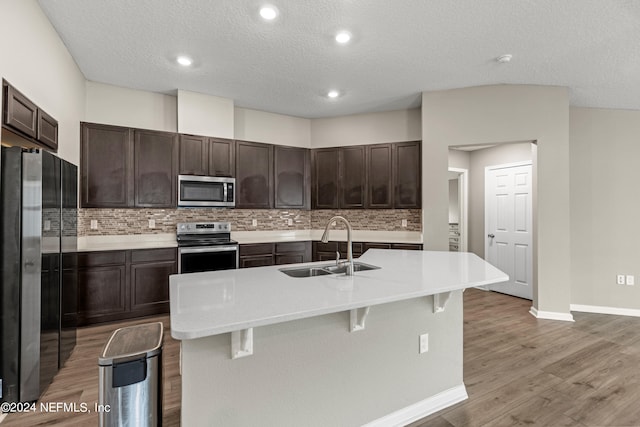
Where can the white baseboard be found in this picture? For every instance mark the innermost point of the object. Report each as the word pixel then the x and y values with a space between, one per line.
pixel 605 310
pixel 421 409
pixel 550 315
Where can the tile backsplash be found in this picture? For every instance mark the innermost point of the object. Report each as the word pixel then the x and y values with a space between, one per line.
pixel 136 221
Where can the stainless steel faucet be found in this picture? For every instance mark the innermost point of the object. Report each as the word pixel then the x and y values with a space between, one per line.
pixel 325 239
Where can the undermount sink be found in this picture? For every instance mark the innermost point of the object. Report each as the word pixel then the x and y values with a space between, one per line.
pixel 357 266
pixel 305 272
pixel 323 270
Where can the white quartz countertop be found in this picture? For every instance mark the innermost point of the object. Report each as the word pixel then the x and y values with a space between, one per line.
pixel 168 240
pixel 211 303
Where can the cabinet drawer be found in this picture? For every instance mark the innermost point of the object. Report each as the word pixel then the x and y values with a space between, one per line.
pixel 256 249
pixel 283 248
pixel 89 259
pixel 151 255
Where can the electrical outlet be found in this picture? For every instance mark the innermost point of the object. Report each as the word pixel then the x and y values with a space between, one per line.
pixel 254 222
pixel 404 223
pixel 94 224
pixel 424 343
pixel 631 280
pixel 333 224
pixel 289 221
pixel 47 225
pixel 152 223
pixel 620 279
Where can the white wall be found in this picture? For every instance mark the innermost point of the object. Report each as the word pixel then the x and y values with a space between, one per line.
pixel 207 115
pixel 359 129
pixel 605 150
pixel 496 114
pixel 37 63
pixel 260 126
pixel 115 105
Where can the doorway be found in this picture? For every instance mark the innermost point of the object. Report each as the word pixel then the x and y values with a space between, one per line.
pixel 458 208
pixel 508 226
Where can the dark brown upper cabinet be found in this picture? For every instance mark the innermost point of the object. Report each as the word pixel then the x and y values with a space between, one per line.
pixel 325 179
pixel 292 174
pixel 201 155
pixel 254 175
pixel 24 117
pixel 20 113
pixel 408 175
pixel 194 155
pixel 221 157
pixel 379 176
pixel 353 177
pixel 155 169
pixel 47 130
pixel 106 165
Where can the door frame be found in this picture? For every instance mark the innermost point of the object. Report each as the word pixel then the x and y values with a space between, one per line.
pixel 463 203
pixel 531 208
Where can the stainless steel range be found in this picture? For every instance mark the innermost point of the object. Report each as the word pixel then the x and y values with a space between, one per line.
pixel 206 246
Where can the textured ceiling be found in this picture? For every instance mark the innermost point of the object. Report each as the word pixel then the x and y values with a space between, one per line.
pixel 399 49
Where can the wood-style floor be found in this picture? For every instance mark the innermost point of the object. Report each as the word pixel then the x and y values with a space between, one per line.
pixel 519 371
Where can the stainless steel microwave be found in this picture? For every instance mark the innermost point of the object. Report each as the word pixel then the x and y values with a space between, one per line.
pixel 206 191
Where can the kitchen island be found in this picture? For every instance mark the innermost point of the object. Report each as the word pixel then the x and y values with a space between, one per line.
pixel 261 348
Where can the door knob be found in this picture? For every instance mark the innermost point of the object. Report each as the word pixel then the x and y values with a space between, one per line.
pixel 491 235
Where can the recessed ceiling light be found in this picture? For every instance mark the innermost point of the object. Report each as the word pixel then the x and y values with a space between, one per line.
pixel 268 12
pixel 343 37
pixel 185 61
pixel 333 94
pixel 503 59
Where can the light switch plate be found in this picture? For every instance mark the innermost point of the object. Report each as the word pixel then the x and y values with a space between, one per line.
pixel 631 280
pixel 94 224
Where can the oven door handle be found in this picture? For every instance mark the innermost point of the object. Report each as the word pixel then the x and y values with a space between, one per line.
pixel 228 248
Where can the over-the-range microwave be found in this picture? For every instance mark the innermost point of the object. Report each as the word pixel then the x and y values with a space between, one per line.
pixel 206 191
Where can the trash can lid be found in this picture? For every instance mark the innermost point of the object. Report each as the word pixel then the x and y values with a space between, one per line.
pixel 132 342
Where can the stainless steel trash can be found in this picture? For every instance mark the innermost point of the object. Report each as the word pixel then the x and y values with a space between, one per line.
pixel 131 377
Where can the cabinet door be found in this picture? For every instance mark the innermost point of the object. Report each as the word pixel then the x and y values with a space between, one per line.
pixel 155 170
pixel 379 176
pixel 407 175
pixel 194 152
pixel 254 175
pixel 325 178
pixel 20 113
pixel 369 245
pixel 150 280
pixel 221 157
pixel 407 246
pixel 352 177
pixel 47 130
pixel 106 166
pixel 291 177
pixel 102 293
pixel 256 261
pixel 292 252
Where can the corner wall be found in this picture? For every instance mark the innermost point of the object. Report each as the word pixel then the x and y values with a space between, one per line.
pixel 497 114
pixel 605 148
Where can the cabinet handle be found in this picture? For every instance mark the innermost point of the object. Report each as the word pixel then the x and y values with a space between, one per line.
pixel 491 235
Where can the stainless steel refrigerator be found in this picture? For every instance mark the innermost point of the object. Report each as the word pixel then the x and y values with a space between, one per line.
pixel 38 290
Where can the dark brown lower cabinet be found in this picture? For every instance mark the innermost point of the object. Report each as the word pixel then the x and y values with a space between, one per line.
pixel 150 271
pixel 263 254
pixel 117 285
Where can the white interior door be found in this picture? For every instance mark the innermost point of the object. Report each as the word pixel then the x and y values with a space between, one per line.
pixel 508 222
